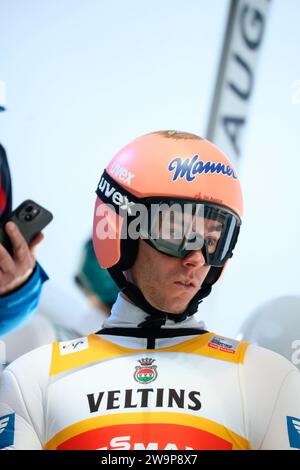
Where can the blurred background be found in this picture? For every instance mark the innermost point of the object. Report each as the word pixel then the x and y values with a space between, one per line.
pixel 83 78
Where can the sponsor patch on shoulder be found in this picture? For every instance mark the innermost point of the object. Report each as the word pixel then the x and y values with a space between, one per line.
pixel 223 344
pixel 69 347
pixel 7 430
pixel 293 426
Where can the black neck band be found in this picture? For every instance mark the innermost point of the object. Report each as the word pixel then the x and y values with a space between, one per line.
pixel 152 332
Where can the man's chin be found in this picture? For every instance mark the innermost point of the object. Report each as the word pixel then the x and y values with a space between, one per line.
pixel 177 308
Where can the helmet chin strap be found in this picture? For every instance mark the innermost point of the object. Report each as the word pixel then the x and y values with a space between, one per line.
pixel 157 317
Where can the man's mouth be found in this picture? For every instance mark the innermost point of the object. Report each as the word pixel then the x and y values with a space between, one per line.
pixel 190 285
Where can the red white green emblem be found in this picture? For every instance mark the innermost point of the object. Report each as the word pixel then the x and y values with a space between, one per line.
pixel 146 372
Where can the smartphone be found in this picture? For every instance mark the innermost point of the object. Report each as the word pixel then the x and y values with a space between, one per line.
pixel 30 218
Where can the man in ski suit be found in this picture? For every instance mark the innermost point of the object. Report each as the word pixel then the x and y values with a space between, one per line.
pixel 167 218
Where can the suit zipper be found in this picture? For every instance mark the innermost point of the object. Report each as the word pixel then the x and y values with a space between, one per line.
pixel 150 343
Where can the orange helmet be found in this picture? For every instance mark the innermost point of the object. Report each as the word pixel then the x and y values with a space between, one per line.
pixel 165 166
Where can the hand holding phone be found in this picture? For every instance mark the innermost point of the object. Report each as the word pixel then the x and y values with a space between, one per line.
pixel 17 243
pixel 30 219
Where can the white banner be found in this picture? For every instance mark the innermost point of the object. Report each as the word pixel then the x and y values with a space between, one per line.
pixel 236 75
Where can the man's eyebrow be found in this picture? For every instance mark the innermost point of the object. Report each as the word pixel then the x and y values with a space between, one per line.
pixel 215 228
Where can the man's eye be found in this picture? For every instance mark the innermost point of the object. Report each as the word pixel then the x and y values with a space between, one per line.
pixel 211 243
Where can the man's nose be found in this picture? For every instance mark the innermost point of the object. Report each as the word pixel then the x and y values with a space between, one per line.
pixel 193 259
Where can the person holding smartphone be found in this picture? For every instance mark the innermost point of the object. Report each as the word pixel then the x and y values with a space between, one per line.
pixel 21 277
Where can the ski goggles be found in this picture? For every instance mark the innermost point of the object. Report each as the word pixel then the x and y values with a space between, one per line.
pixel 177 227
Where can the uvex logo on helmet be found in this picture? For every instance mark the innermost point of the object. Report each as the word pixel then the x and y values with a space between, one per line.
pixel 118 199
pixel 121 173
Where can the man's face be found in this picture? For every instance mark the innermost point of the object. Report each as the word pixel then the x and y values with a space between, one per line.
pixel 169 283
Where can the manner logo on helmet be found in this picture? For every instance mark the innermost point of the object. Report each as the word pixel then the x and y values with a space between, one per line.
pixel 68 347
pixel 121 173
pixel 115 196
pixel 189 167
pixel 146 372
pixel 223 344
